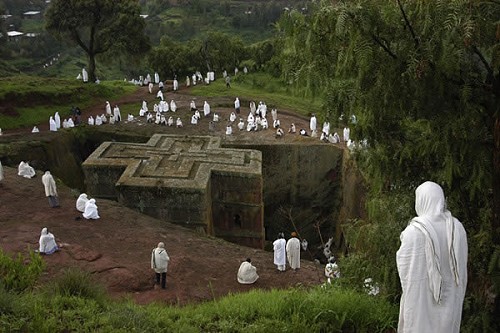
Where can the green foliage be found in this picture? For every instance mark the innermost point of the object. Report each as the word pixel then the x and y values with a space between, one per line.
pixel 19 273
pixel 422 78
pixel 75 282
pixel 98 27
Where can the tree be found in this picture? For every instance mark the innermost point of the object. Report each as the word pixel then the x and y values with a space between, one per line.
pixel 423 79
pixel 98 27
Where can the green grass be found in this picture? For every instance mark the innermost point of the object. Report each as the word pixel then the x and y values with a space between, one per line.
pixel 260 87
pixel 320 309
pixel 35 99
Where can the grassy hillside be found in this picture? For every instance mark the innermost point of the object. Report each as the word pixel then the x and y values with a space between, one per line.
pixel 26 100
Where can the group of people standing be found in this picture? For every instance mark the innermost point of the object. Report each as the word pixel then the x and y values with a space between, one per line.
pixel 287 251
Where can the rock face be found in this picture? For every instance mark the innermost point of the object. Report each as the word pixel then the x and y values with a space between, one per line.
pixel 187 180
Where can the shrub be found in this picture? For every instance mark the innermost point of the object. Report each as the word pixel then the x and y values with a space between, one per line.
pixel 19 273
pixel 75 282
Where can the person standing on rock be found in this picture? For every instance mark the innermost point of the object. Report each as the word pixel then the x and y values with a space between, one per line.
pixel 293 251
pixel 159 263
pixel 50 189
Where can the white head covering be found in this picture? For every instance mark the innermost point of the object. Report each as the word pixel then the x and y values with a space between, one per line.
pixel 161 245
pixel 430 206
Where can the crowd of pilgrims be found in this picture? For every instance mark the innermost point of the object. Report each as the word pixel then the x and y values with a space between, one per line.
pixel 164 113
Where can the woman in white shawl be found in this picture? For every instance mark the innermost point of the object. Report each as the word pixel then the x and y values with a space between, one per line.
pixel 279 246
pixel 81 202
pixel 432 266
pixel 91 210
pixel 47 242
pixel 50 189
pixel 247 273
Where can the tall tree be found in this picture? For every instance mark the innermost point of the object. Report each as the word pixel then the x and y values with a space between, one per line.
pixel 98 27
pixel 423 79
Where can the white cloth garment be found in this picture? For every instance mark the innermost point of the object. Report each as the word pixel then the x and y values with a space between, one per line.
pixel 206 109
pixel 175 85
pixel 232 117
pixel 432 266
pixel 293 252
pixel 47 242
pixel 279 247
pixel 108 108
pixel 35 130
pixel 81 202
pixel 49 184
pixel 173 106
pixel 52 124
pixel 247 273
pixel 313 123
pixel 347 133
pixel 229 130
pixel 90 211
pixel 117 114
pixel 25 170
pixel 57 119
pixel 160 259
pixel 194 120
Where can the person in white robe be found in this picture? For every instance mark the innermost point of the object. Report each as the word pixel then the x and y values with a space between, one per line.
pixel 81 202
pixel 251 126
pixel 65 123
pixel 237 105
pixel 276 123
pixel 178 122
pixel 313 123
pixel 130 117
pixel 247 273
pixel 326 128
pixel 98 120
pixel 292 129
pixel 149 117
pixel 347 133
pixel 78 77
pixel 265 124
pixel 250 118
pixel 241 124
pixel 35 129
pixel 142 112
pixel 334 138
pixel 144 106
pixel 148 78
pixel 232 117
pixel 47 242
pixel 158 118
pixel 323 137
pixel 175 85
pixel 303 132
pixel 163 120
pixel 52 124
pixel 85 75
pixel 160 86
pixel 192 106
pixel 293 251
pixel 91 211
pixel 194 120
pixel 108 108
pixel 263 110
pixel 432 266
pixel 173 106
pixel 57 119
pixel 197 114
pixel 193 78
pixel 253 108
pixel 116 114
pixel 370 287
pixel 50 189
pixel 150 87
pixel 279 248
pixel 188 81
pixel 216 117
pixel 91 121
pixel 206 108
pixel 279 132
pixel 159 95
pixel 224 74
pixel 163 106
pixel 229 129
pixel 159 263
pixel 25 170
pixel 155 108
pixel 157 78
pixel 331 270
pixel 103 118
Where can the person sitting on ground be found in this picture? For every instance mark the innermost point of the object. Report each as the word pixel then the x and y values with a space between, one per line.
pixel 247 273
pixel 35 130
pixel 279 132
pixel 292 129
pixel 178 122
pixel 81 202
pixel 25 170
pixel 229 129
pixel 47 242
pixel 216 117
pixel 170 121
pixel 303 132
pixel 241 124
pixel 331 270
pixel 90 211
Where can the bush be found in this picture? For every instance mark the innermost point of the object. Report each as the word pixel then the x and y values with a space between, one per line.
pixel 19 273
pixel 74 282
